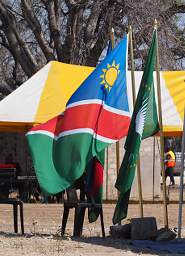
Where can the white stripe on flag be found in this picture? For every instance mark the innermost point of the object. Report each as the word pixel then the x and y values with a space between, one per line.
pixel 116 111
pixel 70 132
pixel 100 102
pixel 44 132
pixel 84 102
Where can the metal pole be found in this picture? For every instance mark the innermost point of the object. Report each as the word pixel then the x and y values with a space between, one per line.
pixel 161 131
pixel 181 181
pixel 134 100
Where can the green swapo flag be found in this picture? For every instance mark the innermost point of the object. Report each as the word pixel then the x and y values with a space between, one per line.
pixel 144 123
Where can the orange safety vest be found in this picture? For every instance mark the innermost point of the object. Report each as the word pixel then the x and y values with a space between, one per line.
pixel 170 162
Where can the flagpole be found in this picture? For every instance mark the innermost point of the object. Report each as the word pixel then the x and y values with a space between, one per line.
pixel 134 100
pixel 112 38
pixel 161 131
pixel 181 181
pixel 107 168
pixel 117 143
pixel 153 169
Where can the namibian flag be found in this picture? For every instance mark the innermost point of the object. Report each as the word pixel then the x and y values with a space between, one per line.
pixel 96 115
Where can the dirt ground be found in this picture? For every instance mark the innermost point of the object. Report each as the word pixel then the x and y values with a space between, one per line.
pixel 42 227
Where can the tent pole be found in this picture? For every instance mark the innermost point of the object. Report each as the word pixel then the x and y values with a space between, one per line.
pixel 161 131
pixel 181 181
pixel 134 100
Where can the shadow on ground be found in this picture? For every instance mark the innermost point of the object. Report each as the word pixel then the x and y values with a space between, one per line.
pixel 135 246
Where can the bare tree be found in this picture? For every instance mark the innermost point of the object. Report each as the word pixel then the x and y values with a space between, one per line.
pixel 34 32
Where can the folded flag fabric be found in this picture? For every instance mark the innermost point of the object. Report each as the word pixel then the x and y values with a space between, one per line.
pixel 144 123
pixel 94 184
pixel 96 115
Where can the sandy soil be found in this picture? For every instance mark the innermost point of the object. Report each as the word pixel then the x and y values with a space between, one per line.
pixel 42 227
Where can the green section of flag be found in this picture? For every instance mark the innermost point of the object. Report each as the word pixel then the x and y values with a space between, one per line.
pixel 144 123
pixel 57 167
pixel 56 173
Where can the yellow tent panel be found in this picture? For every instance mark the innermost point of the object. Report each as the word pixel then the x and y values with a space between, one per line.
pixel 63 80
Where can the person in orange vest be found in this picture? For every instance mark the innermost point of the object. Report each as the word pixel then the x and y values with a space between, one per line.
pixel 170 163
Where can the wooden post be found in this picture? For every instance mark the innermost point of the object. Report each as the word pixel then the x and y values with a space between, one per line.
pixel 107 168
pixel 153 169
pixel 117 143
pixel 161 130
pixel 134 100
pixel 112 38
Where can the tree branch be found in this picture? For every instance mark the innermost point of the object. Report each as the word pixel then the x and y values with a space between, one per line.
pixel 36 29
pixel 172 10
pixel 101 32
pixel 19 50
pixel 52 7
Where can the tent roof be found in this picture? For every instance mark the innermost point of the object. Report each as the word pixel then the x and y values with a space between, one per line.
pixel 41 97
pixel 45 95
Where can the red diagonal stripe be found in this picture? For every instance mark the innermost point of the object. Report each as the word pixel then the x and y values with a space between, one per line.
pixel 92 116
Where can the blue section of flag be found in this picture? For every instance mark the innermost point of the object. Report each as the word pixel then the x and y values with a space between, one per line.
pixel 101 84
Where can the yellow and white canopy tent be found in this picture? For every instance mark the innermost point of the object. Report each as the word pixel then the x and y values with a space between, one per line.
pixel 41 97
pixel 45 95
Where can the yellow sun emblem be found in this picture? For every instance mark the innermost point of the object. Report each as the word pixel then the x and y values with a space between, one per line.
pixel 110 75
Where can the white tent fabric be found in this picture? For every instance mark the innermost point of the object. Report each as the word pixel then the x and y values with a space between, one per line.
pixel 45 95
pixel 21 105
